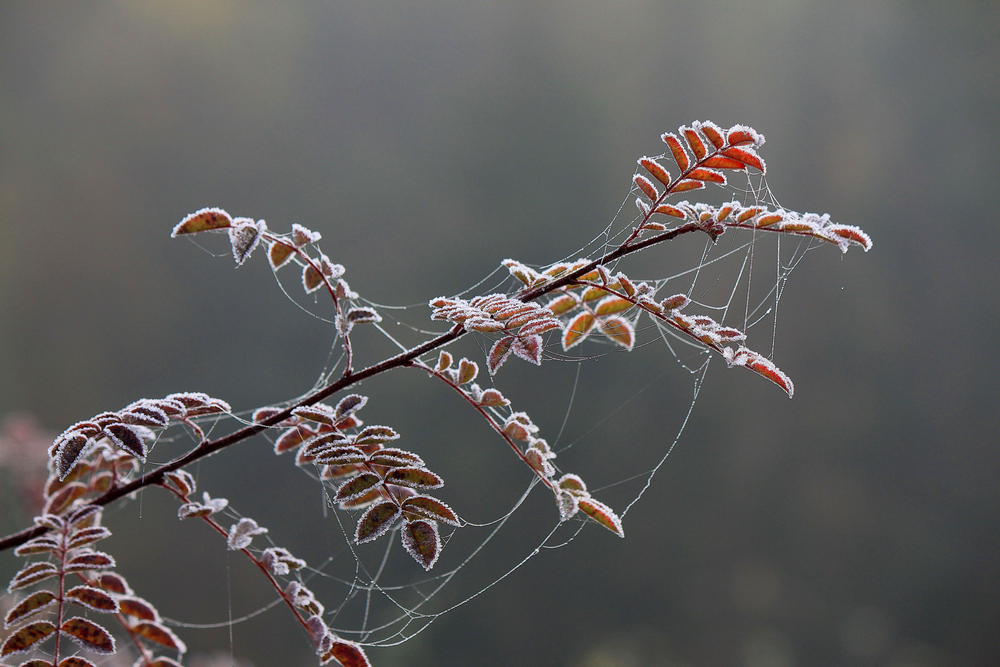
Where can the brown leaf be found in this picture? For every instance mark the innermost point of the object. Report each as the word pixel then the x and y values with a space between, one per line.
pixel 371 435
pixel 74 661
pixel 279 254
pixel 357 487
pixel 136 607
pixel 79 538
pixel 202 220
pixel 65 497
pixel 415 478
pixel 312 279
pixel 92 598
pixel 431 508
pixel 32 574
pixel 529 348
pixel 90 560
pixel 26 637
pixel 113 583
pixel 39 545
pixel 32 604
pixel 126 437
pixel 421 540
pixel 89 635
pixel 159 634
pixel 292 438
pixel 376 522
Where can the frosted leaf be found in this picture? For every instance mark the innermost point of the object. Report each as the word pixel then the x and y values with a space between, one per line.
pixel 761 365
pixel 739 135
pixel 145 413
pixel 410 458
pixel 31 574
pixel 89 635
pixel 349 405
pixel 317 629
pixel 159 634
pixel 376 522
pixel 26 637
pixel 202 220
pixel 279 254
pixel 302 236
pixel 675 302
pixel 69 451
pixel 65 497
pixel 528 348
pixel 578 329
pixel 38 545
pixel 642 206
pixel 182 481
pixel 568 505
pixel 492 398
pixel 562 304
pixel 499 353
pixel 483 324
pixel 216 504
pixel 329 269
pixel 312 279
pixel 29 606
pixel 431 508
pixel 92 598
pixel 244 236
pixel 538 463
pixel 318 412
pixel 467 371
pixel 573 484
pixel 371 435
pixel 280 561
pixel 135 607
pixel 344 290
pixel 113 583
pixel 602 514
pixel 526 275
pixel 88 559
pixel 241 534
pixel 357 486
pixel 193 510
pixel 421 540
pixel 86 536
pixel 444 361
pixel 363 314
pixel 415 478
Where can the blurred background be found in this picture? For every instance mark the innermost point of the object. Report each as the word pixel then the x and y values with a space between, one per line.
pixel 427 141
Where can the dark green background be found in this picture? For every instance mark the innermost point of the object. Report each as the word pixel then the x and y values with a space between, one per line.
pixel 854 525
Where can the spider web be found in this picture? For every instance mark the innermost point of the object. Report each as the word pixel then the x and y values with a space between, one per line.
pixel 377 597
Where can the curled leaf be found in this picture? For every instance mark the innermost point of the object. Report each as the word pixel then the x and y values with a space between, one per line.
pixel 202 220
pixel 242 532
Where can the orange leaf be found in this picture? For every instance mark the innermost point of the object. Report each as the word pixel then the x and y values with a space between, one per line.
pixel 694 140
pixel 707 175
pixel 203 220
pixel 667 209
pixel 611 305
pixel 602 514
pixel 713 132
pixel 656 169
pixel 619 330
pixel 577 329
pixel 720 162
pixel 745 156
pixel 499 353
pixel 680 155
pixel 688 184
pixel 646 186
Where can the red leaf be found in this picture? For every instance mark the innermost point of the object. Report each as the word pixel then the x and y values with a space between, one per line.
pixel 89 635
pixel 39 545
pixel 312 279
pixel 202 220
pixel 431 508
pixel 694 140
pixel 33 603
pixel 26 637
pixel 499 353
pixel 529 348
pixel 292 438
pixel 421 540
pixel 92 598
pixel 680 155
pixel 113 583
pixel 376 522
pixel 137 608
pixel 602 514
pixel 415 478
pixel 656 169
pixel 90 560
pixel 745 156
pixel 32 574
pixel 159 634
pixel 720 162
pixel 348 654
pixel 688 184
pixel 577 329
pixel 713 132
pixel 66 495
pixel 646 186
pixel 739 135
pixel 707 175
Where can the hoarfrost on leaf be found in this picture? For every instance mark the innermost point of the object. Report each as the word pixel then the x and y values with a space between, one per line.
pixel 241 534
pixel 244 236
